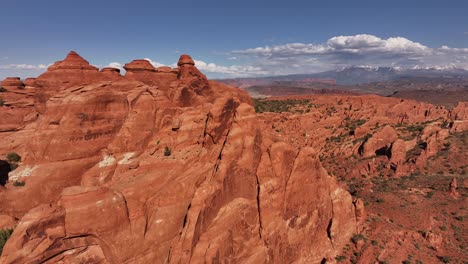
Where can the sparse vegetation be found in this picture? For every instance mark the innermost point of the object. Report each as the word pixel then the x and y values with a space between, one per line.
pixel 19 183
pixel 340 258
pixel 13 157
pixel 422 232
pixel 4 235
pixel 167 151
pixel 1 102
pixel 13 166
pixel 444 259
pixel 380 200
pixel 2 90
pixel 429 194
pixel 279 106
pixel 356 238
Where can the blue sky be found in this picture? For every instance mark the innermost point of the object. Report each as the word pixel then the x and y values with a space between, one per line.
pixel 235 38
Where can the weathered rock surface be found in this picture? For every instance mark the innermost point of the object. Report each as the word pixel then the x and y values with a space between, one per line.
pixel 12 83
pixel 163 166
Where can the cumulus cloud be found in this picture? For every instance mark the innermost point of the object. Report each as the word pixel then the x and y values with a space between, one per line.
pixel 342 51
pixel 215 70
pixel 158 64
pixel 115 65
pixel 233 71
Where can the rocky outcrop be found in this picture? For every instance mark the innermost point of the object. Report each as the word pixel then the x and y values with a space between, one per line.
pixel 12 83
pixel 72 71
pixel 379 143
pixel 139 65
pixel 29 83
pixel 144 71
pixel 160 167
pixel 453 188
pixel 191 76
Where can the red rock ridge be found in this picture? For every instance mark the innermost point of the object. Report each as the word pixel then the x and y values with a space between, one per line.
pixel 163 167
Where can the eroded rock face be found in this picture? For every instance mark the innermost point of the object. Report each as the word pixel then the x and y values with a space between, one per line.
pixel 111 73
pixel 161 167
pixel 144 71
pixel 72 71
pixel 12 83
pixel 379 143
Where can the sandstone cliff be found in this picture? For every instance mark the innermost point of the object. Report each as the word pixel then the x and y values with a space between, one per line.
pixel 162 166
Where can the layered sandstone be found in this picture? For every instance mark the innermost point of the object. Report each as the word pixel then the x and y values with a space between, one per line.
pixel 165 166
pixel 144 71
pixel 12 83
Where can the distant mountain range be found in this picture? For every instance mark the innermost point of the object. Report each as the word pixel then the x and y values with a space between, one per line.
pixel 358 75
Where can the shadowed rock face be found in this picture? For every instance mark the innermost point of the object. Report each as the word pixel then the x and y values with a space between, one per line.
pixel 164 166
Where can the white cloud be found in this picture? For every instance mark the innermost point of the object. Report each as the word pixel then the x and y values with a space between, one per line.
pixel 115 65
pixel 342 51
pixel 233 71
pixel 158 64
pixel 24 66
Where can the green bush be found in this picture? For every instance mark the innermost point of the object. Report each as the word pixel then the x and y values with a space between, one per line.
pixel 4 235
pixel 13 166
pixel 429 194
pixel 340 258
pixel 357 238
pixel 167 151
pixel 19 183
pixel 278 106
pixel 444 259
pixel 13 157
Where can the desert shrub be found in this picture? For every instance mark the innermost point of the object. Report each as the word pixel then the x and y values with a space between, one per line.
pixel 4 235
pixel 1 102
pixel 13 157
pixel 167 151
pixel 374 242
pixel 444 259
pixel 2 90
pixel 422 232
pixel 19 183
pixel 13 166
pixel 277 106
pixel 429 194
pixel 357 238
pixel 380 200
pixel 340 258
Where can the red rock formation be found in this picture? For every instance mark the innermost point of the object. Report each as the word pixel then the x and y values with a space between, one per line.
pixel 144 71
pixel 72 71
pixel 453 188
pixel 139 65
pixel 143 170
pixel 162 167
pixel 17 105
pixel 111 73
pixel 12 83
pixel 379 143
pixel 29 83
pixel 191 76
